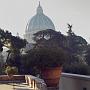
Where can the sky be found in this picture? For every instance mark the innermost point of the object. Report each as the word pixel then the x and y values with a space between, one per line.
pixel 14 15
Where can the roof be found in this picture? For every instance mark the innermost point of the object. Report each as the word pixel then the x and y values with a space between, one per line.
pixel 39 21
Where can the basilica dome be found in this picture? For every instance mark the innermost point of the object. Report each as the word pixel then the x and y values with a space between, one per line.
pixel 37 23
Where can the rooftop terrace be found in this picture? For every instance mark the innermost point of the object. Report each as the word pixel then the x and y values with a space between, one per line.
pixel 15 86
pixel 67 82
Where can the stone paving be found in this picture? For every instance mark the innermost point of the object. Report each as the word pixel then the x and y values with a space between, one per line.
pixel 15 86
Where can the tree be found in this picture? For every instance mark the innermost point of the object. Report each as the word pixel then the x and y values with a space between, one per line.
pixel 77 47
pixel 38 58
pixel 1 47
pixel 70 33
pixel 88 55
pixel 11 70
pixel 14 44
pixel 49 38
pixel 76 44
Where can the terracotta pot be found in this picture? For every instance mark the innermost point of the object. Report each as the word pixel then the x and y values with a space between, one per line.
pixel 51 76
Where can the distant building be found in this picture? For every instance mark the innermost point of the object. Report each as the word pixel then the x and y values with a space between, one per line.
pixel 37 23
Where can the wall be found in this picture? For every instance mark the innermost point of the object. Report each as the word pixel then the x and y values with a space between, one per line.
pixel 16 78
pixel 35 83
pixel 74 82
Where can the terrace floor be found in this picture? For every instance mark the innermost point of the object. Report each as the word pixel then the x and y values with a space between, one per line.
pixel 15 86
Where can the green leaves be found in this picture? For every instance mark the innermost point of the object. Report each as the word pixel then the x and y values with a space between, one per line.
pixel 46 57
pixel 11 70
pixel 50 38
pixel 10 41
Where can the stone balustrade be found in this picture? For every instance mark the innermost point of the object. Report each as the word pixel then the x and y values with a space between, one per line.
pixel 32 81
pixel 35 82
pixel 16 78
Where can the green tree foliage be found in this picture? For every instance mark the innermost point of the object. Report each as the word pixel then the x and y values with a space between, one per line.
pixel 76 44
pixel 1 47
pixel 49 38
pixel 72 43
pixel 88 55
pixel 10 41
pixel 11 70
pixel 77 68
pixel 14 44
pixel 45 57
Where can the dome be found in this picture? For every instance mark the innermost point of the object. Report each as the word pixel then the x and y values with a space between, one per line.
pixel 39 22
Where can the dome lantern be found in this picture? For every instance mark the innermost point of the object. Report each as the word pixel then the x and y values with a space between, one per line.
pixel 39 9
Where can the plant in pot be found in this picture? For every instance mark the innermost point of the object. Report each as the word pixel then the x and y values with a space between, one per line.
pixel 50 62
pixel 10 71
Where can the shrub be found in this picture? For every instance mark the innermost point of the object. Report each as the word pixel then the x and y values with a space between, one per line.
pixel 77 68
pixel 11 70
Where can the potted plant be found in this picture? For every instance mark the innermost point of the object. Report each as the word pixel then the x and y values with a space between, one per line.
pixel 49 61
pixel 10 71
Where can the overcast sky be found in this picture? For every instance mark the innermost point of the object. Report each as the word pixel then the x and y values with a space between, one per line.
pixel 14 15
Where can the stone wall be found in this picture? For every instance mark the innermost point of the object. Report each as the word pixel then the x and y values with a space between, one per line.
pixel 74 82
pixel 15 78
